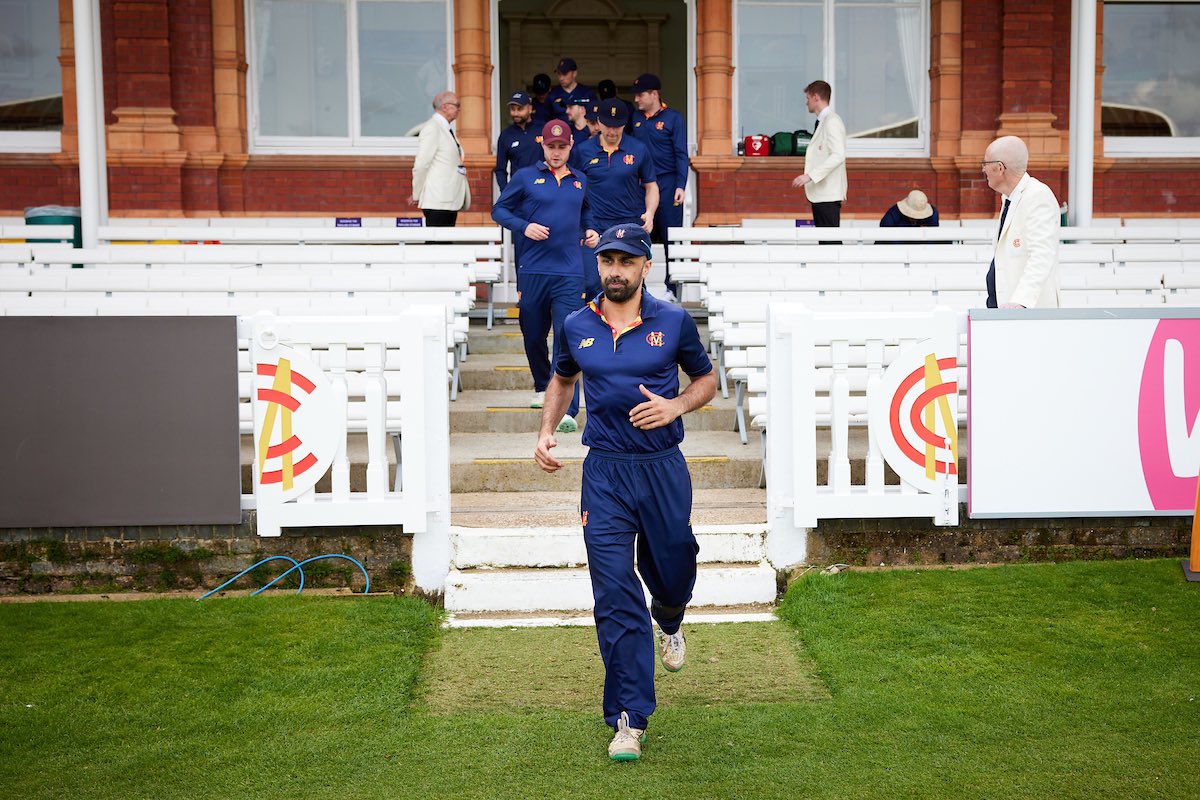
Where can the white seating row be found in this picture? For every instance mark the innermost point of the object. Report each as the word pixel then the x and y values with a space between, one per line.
pixel 253 231
pixel 483 261
pixel 968 231
pixel 22 231
pixel 223 289
pixel 737 297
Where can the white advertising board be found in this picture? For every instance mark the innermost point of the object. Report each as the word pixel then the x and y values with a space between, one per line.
pixel 1082 413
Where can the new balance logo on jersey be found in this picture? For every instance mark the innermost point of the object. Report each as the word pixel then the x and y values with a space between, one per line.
pixel 539 180
pixel 588 342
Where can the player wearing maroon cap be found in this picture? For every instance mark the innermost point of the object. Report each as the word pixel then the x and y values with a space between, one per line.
pixel 546 205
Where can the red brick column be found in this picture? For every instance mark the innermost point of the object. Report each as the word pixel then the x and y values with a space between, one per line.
pixel 145 147
pixel 192 97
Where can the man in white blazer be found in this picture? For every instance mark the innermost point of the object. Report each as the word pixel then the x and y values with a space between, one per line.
pixel 439 177
pixel 824 178
pixel 1024 270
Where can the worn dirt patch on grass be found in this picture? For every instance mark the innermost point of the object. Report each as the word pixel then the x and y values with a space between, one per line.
pixel 559 669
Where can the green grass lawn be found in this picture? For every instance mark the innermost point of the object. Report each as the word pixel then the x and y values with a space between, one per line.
pixel 1039 681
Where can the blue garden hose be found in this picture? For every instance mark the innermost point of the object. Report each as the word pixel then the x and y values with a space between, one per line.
pixel 296 565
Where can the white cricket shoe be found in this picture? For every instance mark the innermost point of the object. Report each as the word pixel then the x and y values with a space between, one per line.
pixel 539 400
pixel 673 650
pixel 627 743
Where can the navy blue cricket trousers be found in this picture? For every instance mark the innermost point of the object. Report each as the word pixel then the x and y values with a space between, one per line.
pixel 636 503
pixel 545 301
pixel 668 215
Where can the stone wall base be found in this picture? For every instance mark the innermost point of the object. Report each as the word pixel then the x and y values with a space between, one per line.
pixel 892 542
pixel 196 557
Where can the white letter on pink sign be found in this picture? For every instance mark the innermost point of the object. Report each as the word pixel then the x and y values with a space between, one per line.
pixel 1183 446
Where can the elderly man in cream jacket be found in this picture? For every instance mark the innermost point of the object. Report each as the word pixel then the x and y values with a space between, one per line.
pixel 439 178
pixel 1024 270
pixel 824 178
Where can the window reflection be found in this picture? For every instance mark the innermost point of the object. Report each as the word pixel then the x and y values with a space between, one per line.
pixel 879 67
pixel 1151 69
pixel 30 77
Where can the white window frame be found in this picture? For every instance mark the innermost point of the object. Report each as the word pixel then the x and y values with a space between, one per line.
pixel 863 148
pixel 1150 146
pixel 355 143
pixel 30 141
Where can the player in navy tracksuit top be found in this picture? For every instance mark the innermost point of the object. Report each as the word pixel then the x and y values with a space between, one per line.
pixel 664 133
pixel 519 146
pixel 546 205
pixel 621 181
pixel 637 494
pixel 567 89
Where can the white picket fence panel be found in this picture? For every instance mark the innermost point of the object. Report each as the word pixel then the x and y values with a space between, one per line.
pixel 857 343
pixel 422 505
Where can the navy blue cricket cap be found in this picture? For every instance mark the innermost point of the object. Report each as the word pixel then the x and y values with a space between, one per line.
pixel 613 113
pixel 631 239
pixel 607 89
pixel 565 65
pixel 519 99
pixel 541 83
pixel 593 113
pixel 646 82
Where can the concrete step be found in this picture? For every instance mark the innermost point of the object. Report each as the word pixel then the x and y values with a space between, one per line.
pixel 510 467
pixel 703 615
pixel 533 590
pixel 505 371
pixel 745 507
pixel 505 336
pixel 488 548
pixel 503 462
pixel 508 411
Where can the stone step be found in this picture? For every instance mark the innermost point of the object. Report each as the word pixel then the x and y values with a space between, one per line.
pixel 531 590
pixel 503 462
pixel 509 467
pixel 703 615
pixel 488 548
pixel 508 411
pixel 505 336
pixel 745 507
pixel 505 371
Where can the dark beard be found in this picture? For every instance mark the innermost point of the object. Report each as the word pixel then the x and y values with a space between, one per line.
pixel 619 294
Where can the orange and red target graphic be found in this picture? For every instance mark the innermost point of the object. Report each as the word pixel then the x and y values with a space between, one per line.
pixel 914 416
pixel 922 417
pixel 281 404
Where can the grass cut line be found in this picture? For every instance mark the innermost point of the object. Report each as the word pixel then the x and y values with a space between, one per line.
pixel 482 670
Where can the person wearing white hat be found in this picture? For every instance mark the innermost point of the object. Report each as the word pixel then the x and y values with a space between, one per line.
pixel 913 211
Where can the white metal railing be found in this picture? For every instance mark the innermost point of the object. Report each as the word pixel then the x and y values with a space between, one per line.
pixel 303 414
pixel 911 401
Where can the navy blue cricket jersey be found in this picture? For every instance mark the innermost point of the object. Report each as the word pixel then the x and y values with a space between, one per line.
pixel 665 136
pixel 535 195
pixel 616 179
pixel 516 149
pixel 649 352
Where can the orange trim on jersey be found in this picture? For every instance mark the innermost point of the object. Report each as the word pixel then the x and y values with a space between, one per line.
pixel 564 175
pixel 615 333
